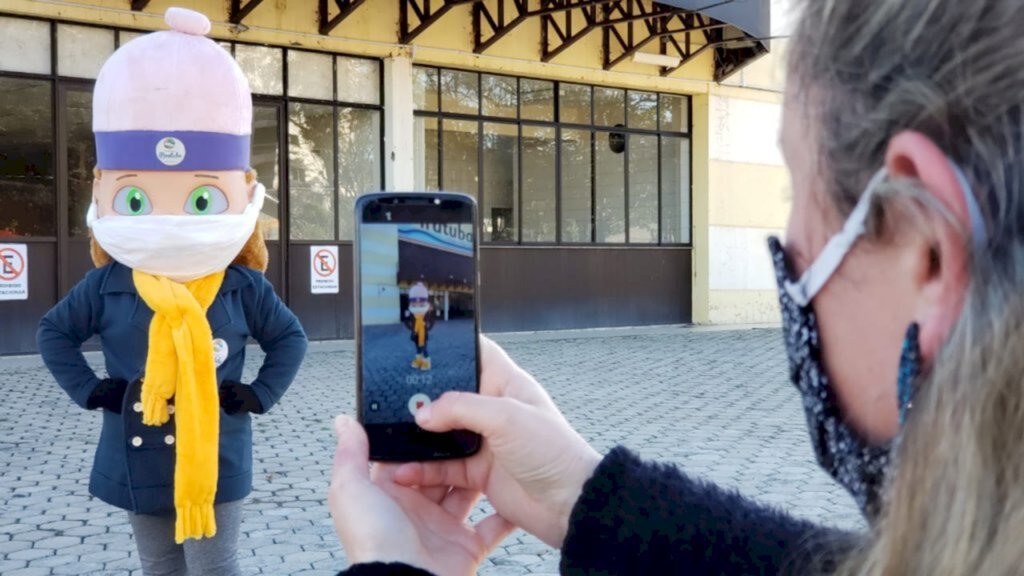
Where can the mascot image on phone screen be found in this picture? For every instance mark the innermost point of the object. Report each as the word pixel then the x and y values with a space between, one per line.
pixel 419 322
pixel 177 291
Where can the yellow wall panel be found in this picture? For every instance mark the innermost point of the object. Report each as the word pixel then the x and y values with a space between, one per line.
pixel 744 307
pixel 754 195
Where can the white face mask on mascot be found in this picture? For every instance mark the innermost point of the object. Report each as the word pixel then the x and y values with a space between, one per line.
pixel 178 247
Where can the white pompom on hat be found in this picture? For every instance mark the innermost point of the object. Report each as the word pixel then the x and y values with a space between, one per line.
pixel 173 100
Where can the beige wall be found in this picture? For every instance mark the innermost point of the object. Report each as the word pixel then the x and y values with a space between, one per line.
pixel 371 30
pixel 740 188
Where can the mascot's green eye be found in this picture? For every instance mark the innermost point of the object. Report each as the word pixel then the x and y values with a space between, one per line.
pixel 206 200
pixel 132 201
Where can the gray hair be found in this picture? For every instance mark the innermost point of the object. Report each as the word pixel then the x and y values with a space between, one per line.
pixel 863 70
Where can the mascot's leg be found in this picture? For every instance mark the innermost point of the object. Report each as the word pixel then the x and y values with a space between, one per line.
pixel 425 363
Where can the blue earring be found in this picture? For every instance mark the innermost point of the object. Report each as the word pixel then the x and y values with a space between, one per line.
pixel 910 370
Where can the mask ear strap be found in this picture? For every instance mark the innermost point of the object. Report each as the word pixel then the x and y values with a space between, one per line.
pixel 979 235
pixel 824 266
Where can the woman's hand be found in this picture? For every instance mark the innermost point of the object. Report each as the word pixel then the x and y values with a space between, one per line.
pixel 380 521
pixel 532 465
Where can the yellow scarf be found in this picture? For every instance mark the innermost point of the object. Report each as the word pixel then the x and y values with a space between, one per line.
pixel 180 364
pixel 420 328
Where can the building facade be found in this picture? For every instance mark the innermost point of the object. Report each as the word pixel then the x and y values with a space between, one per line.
pixel 622 153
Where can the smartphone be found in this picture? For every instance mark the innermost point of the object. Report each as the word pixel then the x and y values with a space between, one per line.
pixel 417 318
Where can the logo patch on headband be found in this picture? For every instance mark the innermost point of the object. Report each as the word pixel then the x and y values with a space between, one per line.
pixel 170 151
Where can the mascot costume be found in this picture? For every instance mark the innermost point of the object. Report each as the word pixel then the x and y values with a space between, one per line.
pixel 177 292
pixel 419 322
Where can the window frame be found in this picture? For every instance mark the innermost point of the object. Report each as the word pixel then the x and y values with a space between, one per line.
pixel 440 114
pixel 58 127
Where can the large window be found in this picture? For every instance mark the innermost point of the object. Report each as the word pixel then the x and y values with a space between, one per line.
pixel 556 162
pixel 324 116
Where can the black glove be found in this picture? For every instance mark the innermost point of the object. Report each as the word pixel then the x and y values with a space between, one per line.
pixel 237 398
pixel 108 394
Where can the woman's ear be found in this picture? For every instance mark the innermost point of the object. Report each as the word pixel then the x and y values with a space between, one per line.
pixel 937 256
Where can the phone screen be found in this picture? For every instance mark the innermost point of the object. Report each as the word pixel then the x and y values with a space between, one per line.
pixel 418 317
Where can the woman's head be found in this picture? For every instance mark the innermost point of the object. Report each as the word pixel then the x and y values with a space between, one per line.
pixel 921 88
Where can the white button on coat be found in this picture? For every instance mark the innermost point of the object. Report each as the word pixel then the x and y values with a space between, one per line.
pixel 168 439
pixel 136 441
pixel 170 408
pixel 137 407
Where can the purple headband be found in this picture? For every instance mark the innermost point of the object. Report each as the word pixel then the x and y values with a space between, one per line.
pixel 173 150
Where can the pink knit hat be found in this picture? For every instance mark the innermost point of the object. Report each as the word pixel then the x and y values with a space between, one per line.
pixel 172 100
pixel 418 292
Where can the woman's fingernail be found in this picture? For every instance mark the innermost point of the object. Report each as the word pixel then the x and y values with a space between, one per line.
pixel 340 423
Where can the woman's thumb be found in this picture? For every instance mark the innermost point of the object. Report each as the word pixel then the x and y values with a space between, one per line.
pixel 351 457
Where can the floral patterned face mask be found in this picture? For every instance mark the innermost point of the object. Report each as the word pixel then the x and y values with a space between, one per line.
pixel 856 464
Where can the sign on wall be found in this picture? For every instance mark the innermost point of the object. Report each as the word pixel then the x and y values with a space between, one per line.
pixel 13 272
pixel 323 274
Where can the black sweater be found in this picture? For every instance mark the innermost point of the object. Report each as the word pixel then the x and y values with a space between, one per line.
pixel 635 517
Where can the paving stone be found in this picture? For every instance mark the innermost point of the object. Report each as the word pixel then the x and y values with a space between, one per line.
pixel 58 542
pixel 13 546
pixel 30 554
pixel 30 571
pixel 718 404
pixel 8 565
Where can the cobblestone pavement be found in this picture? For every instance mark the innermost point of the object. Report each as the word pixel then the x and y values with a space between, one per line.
pixel 390 380
pixel 715 402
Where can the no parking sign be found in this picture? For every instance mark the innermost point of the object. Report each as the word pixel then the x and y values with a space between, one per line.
pixel 13 272
pixel 323 274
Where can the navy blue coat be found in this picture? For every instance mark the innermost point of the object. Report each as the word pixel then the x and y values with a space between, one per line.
pixel 134 464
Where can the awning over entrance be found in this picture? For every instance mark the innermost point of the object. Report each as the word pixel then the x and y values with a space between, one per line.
pixel 436 256
pixel 744 40
pixel 736 31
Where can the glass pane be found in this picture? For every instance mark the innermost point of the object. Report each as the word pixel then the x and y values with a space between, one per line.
pixel 126 36
pixel 263 67
pixel 643 110
pixel 675 190
pixel 459 161
pixel 500 96
pixel 501 180
pixel 266 160
pixel 425 153
pixel 675 113
pixel 537 100
pixel 81 158
pixel 643 189
pixel 609 107
pixel 311 171
pixel 460 92
pixel 574 103
pixel 27 192
pixel 310 75
pixel 576 192
pixel 610 187
pixel 82 50
pixel 538 190
pixel 24 45
pixel 424 86
pixel 358 80
pixel 358 162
